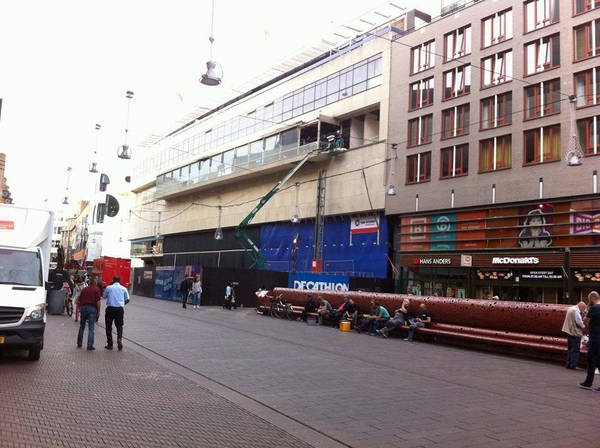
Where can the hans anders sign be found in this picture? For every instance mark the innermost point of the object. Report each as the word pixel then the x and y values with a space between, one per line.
pixel 432 261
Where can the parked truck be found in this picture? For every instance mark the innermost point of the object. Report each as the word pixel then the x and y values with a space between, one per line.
pixel 106 268
pixel 25 243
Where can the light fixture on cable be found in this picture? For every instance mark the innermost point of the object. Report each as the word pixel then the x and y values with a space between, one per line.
pixel 214 71
pixel 94 166
pixel 124 152
pixel 574 156
pixel 219 231
pixel 296 217
pixel 391 191
pixel 65 200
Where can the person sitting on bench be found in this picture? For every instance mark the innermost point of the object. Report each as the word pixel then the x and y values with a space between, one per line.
pixel 424 317
pixel 401 316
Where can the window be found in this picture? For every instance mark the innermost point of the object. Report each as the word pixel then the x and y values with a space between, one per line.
pixel 457 82
pixel 457 43
pixel 497 69
pixel 418 168
pixel 454 161
pixel 588 130
pixel 587 87
pixel 495 153
pixel 582 6
pixel 419 130
pixel 542 54
pixel 455 121
pixel 542 145
pixel 421 94
pixel 496 111
pixel 587 40
pixel 540 13
pixel 542 99
pixel 422 57
pixel 497 28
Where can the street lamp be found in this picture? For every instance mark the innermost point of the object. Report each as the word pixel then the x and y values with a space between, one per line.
pixel 124 152
pixel 214 71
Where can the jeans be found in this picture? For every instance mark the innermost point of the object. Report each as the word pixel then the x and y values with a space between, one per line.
pixel 573 348
pixel 412 328
pixel 196 299
pixel 376 323
pixel 88 314
pixel 113 313
pixel 593 359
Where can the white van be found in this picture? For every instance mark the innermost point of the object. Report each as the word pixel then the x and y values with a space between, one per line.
pixel 25 242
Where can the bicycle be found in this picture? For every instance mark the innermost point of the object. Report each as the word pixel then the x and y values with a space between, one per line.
pixel 280 308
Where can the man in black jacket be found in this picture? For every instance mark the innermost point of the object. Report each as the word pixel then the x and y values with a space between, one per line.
pixel 185 287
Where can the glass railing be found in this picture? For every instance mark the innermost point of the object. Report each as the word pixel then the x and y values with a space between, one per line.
pixel 166 186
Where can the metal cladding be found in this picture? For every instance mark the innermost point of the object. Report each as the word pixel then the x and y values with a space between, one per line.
pixel 526 325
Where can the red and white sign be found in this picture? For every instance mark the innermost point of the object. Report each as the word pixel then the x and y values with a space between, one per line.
pixel 7 225
pixel 366 224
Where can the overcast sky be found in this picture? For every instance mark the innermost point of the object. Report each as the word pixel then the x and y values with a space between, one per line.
pixel 65 65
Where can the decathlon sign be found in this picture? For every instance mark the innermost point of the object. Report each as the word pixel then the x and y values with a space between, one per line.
pixel 515 260
pixel 320 282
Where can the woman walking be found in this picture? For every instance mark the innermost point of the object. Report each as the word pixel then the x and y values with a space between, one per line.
pixel 197 291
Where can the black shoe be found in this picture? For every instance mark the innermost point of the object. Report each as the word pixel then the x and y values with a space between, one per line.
pixel 585 385
pixel 184 306
pixel 78 345
pixel 108 347
pixel 119 345
pixel 91 348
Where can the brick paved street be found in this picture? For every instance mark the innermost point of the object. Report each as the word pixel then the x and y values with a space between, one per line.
pixel 210 377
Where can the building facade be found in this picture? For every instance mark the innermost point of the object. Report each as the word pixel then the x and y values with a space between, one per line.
pixel 297 165
pixel 484 104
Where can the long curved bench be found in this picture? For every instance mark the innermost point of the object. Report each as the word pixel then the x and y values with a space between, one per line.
pixel 524 328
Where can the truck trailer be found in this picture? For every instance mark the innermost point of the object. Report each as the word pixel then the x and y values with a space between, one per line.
pixel 25 242
pixel 106 268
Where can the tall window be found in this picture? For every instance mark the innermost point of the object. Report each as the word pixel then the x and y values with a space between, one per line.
pixel 587 87
pixel 497 28
pixel 454 161
pixel 588 130
pixel 422 57
pixel 542 54
pixel 540 13
pixel 421 94
pixel 457 82
pixel 542 99
pixel 418 168
pixel 496 111
pixel 581 6
pixel 587 40
pixel 457 43
pixel 495 153
pixel 542 145
pixel 419 130
pixel 455 121
pixel 497 69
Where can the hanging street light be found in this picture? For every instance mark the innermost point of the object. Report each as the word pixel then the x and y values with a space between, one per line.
pixel 214 71
pixel 124 152
pixel 94 166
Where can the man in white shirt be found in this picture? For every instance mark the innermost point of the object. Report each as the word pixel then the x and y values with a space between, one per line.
pixel 116 297
pixel 573 326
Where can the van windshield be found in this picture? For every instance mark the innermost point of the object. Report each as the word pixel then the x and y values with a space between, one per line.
pixel 19 267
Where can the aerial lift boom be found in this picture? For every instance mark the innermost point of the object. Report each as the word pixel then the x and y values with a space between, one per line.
pixel 255 253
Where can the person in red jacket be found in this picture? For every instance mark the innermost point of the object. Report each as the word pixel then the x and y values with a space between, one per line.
pixel 89 303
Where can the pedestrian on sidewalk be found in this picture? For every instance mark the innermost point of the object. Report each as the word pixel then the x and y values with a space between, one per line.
pixel 116 297
pixel 185 288
pixel 89 303
pixel 197 291
pixel 228 292
pixel 592 321
pixel 574 326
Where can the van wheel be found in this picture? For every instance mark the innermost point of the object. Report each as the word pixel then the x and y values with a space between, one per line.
pixel 34 354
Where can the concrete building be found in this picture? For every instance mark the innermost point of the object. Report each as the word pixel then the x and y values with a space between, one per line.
pixel 484 103
pixel 220 170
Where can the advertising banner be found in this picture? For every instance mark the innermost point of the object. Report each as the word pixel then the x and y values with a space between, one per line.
pixel 163 284
pixel 443 232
